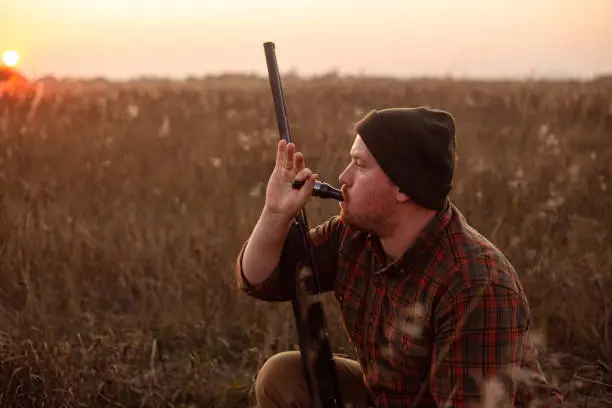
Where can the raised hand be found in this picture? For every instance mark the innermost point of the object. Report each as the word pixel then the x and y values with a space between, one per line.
pixel 281 197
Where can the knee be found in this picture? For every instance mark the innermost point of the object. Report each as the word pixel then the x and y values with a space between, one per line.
pixel 271 381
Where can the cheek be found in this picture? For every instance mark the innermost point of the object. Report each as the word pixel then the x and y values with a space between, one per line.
pixel 366 189
pixel 371 191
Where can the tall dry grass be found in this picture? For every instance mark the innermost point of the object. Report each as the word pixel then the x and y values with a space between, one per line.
pixel 123 207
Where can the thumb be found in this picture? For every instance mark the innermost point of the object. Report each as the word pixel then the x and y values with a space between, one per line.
pixel 306 190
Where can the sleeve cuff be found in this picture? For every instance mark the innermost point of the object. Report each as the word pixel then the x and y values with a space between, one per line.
pixel 268 290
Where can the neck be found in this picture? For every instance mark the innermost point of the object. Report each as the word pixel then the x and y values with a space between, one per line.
pixel 410 224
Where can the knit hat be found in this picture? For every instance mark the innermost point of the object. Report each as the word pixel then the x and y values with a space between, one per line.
pixel 415 147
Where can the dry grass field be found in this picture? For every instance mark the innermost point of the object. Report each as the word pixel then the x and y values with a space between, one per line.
pixel 123 206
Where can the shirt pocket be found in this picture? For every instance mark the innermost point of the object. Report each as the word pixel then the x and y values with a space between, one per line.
pixel 352 307
pixel 406 337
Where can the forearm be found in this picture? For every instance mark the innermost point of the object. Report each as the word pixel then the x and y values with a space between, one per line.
pixel 264 247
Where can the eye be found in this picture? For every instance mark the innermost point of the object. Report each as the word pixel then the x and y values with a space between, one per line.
pixel 358 162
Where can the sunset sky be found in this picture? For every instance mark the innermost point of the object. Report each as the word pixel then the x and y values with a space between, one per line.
pixel 174 38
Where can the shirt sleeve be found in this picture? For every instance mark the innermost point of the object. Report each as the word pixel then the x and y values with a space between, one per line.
pixel 279 286
pixel 482 351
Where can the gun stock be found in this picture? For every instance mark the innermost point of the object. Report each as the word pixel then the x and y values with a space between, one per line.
pixel 308 311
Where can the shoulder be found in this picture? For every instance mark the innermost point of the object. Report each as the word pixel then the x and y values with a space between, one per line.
pixel 474 261
pixel 480 287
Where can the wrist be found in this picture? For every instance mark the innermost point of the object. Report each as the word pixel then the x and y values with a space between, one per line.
pixel 278 219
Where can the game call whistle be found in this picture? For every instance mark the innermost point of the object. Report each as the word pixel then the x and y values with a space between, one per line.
pixel 321 190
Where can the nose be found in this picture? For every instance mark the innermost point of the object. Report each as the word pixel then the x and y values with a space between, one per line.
pixel 346 176
pixel 342 179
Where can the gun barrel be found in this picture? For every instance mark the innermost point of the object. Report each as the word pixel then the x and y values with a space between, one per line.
pixel 311 324
pixel 278 96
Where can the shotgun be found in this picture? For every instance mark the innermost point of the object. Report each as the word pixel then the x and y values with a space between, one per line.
pixel 315 349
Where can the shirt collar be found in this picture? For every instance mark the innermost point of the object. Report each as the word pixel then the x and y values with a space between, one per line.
pixel 423 244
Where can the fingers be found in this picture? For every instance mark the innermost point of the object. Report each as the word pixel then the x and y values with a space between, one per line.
pixel 299 161
pixel 292 167
pixel 306 175
pixel 285 154
pixel 306 190
pixel 303 174
pixel 280 153
pixel 288 158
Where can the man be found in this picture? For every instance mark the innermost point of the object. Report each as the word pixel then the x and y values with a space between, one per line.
pixel 436 313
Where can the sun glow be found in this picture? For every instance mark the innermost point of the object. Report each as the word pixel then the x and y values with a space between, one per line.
pixel 10 58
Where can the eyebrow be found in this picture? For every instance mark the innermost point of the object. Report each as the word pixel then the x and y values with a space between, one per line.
pixel 357 156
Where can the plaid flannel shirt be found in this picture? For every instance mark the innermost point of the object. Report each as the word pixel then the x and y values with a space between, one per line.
pixel 433 326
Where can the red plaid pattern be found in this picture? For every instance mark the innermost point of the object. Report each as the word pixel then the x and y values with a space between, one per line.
pixel 432 327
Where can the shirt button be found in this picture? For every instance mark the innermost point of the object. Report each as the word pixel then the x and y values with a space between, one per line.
pixel 371 319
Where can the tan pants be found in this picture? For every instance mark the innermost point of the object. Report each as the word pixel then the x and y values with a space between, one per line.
pixel 281 383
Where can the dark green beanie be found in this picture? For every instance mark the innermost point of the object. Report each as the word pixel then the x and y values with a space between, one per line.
pixel 415 147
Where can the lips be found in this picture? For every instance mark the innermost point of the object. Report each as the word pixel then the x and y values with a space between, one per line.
pixel 344 194
pixel 344 201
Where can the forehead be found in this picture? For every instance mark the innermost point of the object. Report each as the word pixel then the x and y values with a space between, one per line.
pixel 360 149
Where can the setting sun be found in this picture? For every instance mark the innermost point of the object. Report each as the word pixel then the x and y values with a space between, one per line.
pixel 10 58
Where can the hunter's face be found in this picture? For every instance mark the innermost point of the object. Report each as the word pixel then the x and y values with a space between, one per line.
pixel 369 196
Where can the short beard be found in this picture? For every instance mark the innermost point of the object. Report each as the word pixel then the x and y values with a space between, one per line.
pixel 378 224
